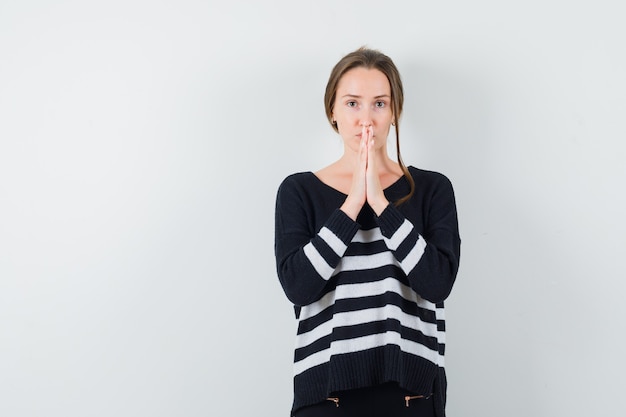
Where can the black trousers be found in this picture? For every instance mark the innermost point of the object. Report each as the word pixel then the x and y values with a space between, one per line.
pixel 387 400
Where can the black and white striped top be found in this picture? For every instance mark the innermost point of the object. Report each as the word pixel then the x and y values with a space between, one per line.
pixel 368 294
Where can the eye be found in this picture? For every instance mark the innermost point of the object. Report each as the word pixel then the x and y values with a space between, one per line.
pixel 351 103
pixel 380 104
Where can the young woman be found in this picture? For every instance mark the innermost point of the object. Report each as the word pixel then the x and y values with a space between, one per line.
pixel 367 250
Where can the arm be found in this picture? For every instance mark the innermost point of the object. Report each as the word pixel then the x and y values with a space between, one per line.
pixel 306 260
pixel 430 260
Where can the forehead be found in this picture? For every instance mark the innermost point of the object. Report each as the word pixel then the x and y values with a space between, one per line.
pixel 364 82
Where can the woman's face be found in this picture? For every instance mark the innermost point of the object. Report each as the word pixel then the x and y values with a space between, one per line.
pixel 363 98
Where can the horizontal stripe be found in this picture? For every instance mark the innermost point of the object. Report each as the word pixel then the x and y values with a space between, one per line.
pixel 352 318
pixel 361 263
pixel 367 329
pixel 318 262
pixel 398 237
pixel 318 346
pixel 333 241
pixel 366 248
pixel 371 302
pixel 317 307
pixel 366 289
pixel 360 277
pixel 339 347
pixel 366 236
pixel 387 298
pixel 379 327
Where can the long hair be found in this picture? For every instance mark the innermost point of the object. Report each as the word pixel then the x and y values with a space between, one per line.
pixel 371 59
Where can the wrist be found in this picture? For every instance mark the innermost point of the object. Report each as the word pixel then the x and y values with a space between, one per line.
pixel 379 205
pixel 351 209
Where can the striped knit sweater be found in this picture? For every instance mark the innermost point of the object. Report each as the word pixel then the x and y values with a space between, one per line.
pixel 369 294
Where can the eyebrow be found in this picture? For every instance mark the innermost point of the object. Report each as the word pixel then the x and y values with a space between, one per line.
pixel 356 96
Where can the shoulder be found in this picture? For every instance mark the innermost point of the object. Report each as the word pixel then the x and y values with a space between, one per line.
pixel 431 185
pixel 296 186
pixel 422 176
pixel 297 180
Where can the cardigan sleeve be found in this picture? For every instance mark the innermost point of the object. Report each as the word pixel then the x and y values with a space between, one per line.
pixel 306 259
pixel 430 260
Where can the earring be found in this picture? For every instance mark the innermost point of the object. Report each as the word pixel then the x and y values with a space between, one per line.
pixel 393 123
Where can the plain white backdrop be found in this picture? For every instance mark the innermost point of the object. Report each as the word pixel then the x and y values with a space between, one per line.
pixel 142 143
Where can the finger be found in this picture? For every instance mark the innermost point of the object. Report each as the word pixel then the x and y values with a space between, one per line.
pixel 370 144
pixel 364 145
pixel 364 140
pixel 364 135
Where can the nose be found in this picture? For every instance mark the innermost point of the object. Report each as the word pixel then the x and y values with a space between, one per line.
pixel 366 118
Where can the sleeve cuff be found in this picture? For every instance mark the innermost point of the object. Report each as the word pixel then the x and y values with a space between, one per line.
pixel 342 226
pixel 390 220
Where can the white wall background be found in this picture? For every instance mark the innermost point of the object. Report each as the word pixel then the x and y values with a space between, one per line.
pixel 141 145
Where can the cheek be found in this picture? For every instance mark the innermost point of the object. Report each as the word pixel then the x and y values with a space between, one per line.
pixel 345 121
pixel 384 132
